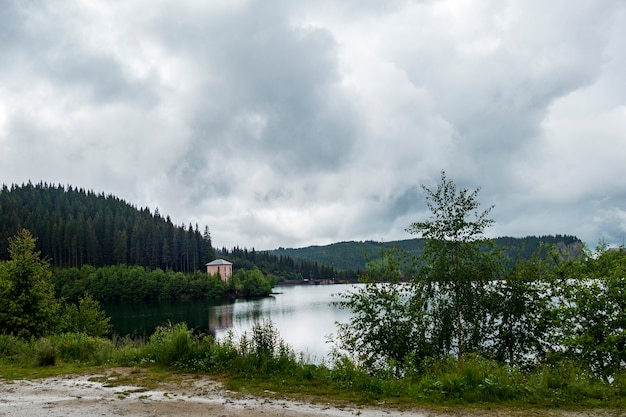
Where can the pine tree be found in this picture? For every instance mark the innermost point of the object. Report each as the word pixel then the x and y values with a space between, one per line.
pixel 27 304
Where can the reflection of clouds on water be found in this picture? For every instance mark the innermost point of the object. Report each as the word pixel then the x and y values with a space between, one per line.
pixel 303 315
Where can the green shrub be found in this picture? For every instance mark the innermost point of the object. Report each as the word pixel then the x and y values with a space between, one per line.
pixel 45 352
pixel 11 346
pixel 80 347
pixel 85 317
pixel 565 382
pixel 473 379
pixel 265 349
pixel 223 353
pixel 129 351
pixel 170 344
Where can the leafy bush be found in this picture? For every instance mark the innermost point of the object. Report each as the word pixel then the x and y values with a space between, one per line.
pixel 473 379
pixel 132 282
pixel 129 351
pixel 45 352
pixel 85 317
pixel 249 283
pixel 11 346
pixel 170 344
pixel 80 347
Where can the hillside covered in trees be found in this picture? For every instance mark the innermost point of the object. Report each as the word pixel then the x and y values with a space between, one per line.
pixel 355 255
pixel 285 267
pixel 75 227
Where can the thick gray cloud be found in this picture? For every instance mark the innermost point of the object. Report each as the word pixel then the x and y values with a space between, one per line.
pixel 294 123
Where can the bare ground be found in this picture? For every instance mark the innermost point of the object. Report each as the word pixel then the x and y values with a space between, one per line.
pixel 102 395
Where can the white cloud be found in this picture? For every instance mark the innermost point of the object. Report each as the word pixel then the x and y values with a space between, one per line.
pixel 287 124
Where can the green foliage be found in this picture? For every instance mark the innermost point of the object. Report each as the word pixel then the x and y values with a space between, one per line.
pixel 260 361
pixel 11 347
pixel 562 303
pixel 27 304
pixel 457 261
pixel 129 351
pixel 82 348
pixel 472 380
pixel 85 317
pixel 261 351
pixel 175 345
pixel 45 352
pixel 77 348
pixel 520 307
pixel 267 343
pixel 594 311
pixel 285 268
pixel 170 344
pixel 250 283
pixel 388 325
pixel 125 282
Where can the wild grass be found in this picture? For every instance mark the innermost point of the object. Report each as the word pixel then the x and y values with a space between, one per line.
pixel 261 362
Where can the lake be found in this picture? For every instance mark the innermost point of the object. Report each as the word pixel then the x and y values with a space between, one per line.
pixel 303 314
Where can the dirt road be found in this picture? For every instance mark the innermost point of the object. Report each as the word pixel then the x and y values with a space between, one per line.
pixel 101 395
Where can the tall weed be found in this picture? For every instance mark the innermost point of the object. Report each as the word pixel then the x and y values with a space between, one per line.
pixel 170 344
pixel 80 347
pixel 11 347
pixel 45 352
pixel 129 351
pixel 565 382
pixel 472 379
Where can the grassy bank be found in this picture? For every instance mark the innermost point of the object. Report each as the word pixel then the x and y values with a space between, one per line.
pixel 259 361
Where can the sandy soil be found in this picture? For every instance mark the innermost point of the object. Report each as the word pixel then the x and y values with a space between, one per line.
pixel 100 395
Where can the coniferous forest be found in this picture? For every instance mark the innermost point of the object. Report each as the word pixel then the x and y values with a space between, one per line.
pixel 285 267
pixel 75 227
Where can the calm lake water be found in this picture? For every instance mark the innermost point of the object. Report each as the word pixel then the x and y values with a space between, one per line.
pixel 303 314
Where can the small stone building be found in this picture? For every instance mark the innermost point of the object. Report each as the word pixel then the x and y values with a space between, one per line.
pixel 221 267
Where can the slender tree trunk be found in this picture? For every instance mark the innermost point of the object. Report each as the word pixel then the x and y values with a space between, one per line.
pixel 459 321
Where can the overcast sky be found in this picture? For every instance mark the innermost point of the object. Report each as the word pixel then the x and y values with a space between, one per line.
pixel 294 123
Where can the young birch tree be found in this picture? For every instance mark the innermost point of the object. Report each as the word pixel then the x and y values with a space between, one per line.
pixel 457 263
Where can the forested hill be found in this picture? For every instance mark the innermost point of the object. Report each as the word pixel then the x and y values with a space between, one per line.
pixel 75 227
pixel 355 255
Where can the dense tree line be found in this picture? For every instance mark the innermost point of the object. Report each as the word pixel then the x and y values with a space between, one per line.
pixel 284 267
pixel 341 255
pixel 356 255
pixel 77 227
pixel 135 283
pixel 126 283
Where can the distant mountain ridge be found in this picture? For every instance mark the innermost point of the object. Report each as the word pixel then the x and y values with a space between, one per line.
pixel 354 255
